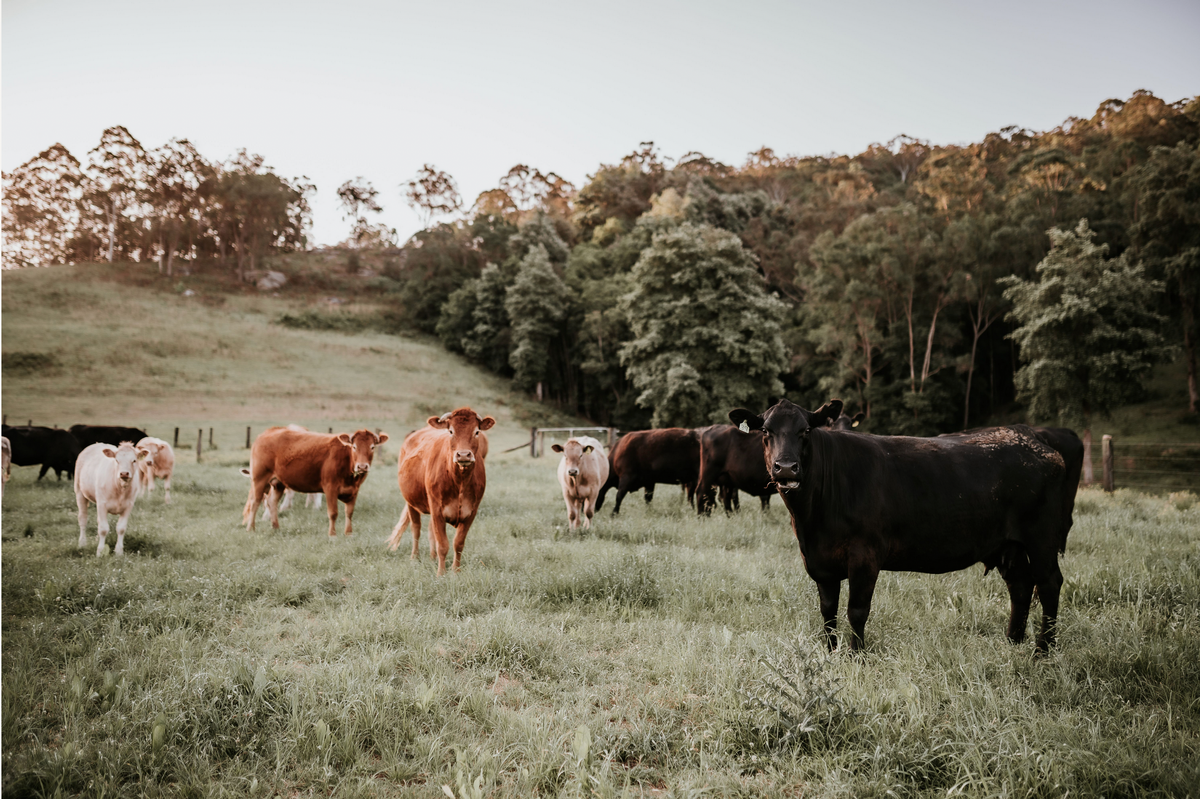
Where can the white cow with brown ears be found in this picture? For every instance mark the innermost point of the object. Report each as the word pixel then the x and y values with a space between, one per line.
pixel 110 478
pixel 581 472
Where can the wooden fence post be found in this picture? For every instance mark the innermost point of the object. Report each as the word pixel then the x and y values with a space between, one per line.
pixel 1106 455
pixel 199 442
pixel 247 436
pixel 533 442
pixel 611 430
pixel 176 445
pixel 210 444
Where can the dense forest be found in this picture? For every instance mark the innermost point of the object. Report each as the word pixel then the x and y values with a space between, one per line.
pixel 927 285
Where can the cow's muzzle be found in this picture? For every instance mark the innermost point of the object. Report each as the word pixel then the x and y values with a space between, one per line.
pixel 125 477
pixel 573 472
pixel 361 469
pixel 786 475
pixel 464 457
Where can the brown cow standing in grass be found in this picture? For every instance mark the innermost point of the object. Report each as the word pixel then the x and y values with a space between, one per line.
pixel 334 465
pixel 441 473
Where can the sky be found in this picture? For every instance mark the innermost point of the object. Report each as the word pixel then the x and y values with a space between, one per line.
pixel 335 91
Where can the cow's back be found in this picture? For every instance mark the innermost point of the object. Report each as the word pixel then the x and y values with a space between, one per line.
pixel 423 453
pixel 669 455
pixel 298 458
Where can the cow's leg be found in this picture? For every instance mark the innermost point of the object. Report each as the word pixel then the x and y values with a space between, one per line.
pixel 623 488
pixel 439 545
pixel 122 525
pixel 101 526
pixel 350 515
pixel 288 496
pixel 331 501
pixel 690 488
pixel 1048 590
pixel 258 486
pixel 46 468
pixel 829 592
pixel 572 514
pixel 858 605
pixel 648 493
pixel 82 502
pixel 415 516
pixel 460 540
pixel 766 502
pixel 167 489
pixel 273 494
pixel 1014 568
pixel 589 510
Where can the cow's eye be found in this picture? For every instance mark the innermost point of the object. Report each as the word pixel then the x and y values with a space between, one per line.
pixel 476 432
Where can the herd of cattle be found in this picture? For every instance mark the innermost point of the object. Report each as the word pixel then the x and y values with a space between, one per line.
pixel 859 504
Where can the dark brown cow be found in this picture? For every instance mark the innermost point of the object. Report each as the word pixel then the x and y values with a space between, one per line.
pixel 731 461
pixel 644 458
pixel 441 473
pixel 333 465
pixel 862 503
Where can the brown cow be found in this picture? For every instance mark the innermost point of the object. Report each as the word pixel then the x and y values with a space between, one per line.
pixel 309 462
pixel 441 473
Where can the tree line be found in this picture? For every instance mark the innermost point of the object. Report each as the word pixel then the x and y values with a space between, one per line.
pixel 928 285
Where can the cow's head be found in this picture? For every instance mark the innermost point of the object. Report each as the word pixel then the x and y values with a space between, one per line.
pixel 127 457
pixel 465 427
pixel 572 451
pixel 786 431
pixel 362 449
pixel 844 422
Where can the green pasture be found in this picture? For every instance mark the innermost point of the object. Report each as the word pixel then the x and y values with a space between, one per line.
pixel 659 654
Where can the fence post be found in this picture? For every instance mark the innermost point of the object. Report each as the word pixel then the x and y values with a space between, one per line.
pixel 1106 454
pixel 176 445
pixel 210 444
pixel 247 436
pixel 199 442
pixel 533 442
pixel 610 438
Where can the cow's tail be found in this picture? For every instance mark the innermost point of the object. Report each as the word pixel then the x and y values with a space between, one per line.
pixel 393 542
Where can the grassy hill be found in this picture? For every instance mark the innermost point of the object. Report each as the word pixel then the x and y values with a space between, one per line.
pixel 117 344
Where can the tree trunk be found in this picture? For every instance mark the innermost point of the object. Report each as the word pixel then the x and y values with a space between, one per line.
pixel 1189 344
pixel 970 375
pixel 1088 477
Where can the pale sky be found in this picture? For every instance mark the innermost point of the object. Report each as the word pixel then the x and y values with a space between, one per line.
pixel 375 89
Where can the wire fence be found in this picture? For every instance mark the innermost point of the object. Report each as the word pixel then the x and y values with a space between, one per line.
pixel 1153 467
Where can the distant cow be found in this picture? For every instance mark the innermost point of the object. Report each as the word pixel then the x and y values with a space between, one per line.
pixel 863 503
pixel 732 461
pixel 5 460
pixel 844 423
pixel 441 473
pixel 581 472
pixel 334 465
pixel 52 448
pixel 644 458
pixel 160 464
pixel 88 434
pixel 109 478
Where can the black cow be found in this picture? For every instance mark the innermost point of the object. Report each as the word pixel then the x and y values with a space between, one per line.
pixel 88 434
pixel 864 503
pixel 52 448
pixel 732 461
pixel 644 458
pixel 845 423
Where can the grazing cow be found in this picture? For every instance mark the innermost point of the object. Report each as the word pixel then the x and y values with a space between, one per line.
pixel 441 473
pixel 88 434
pixel 334 465
pixel 5 460
pixel 644 458
pixel 862 503
pixel 732 461
pixel 161 463
pixel 108 477
pixel 52 448
pixel 581 472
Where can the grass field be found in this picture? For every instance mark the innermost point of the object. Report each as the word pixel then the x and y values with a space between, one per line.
pixel 210 661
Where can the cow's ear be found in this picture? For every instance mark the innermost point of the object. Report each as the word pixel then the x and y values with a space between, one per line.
pixel 382 437
pixel 440 422
pixel 487 423
pixel 109 452
pixel 858 417
pixel 344 438
pixel 752 420
pixel 588 448
pixel 143 454
pixel 826 414
pixel 556 447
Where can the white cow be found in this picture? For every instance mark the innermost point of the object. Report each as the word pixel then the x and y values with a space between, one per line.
pixel 581 472
pixel 109 477
pixel 161 463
